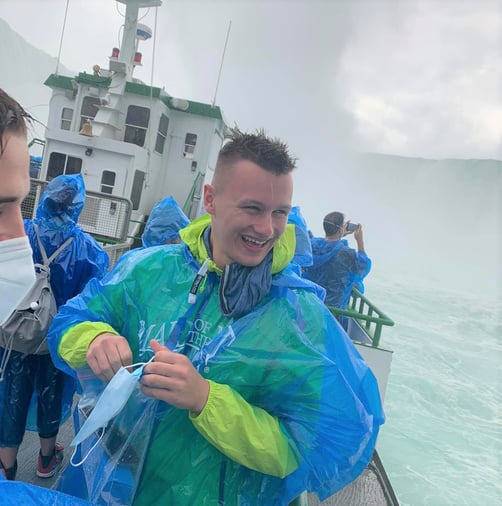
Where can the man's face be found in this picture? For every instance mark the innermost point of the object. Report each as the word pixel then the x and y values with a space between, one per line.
pixel 14 185
pixel 249 211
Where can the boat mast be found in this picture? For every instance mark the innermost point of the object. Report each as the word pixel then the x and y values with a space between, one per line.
pixel 128 46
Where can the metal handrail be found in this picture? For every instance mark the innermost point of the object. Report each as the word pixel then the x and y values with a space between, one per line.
pixel 370 318
pixel 192 196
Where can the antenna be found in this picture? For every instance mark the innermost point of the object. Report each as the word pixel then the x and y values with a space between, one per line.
pixel 221 64
pixel 62 34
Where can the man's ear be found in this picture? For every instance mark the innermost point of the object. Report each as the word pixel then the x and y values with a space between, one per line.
pixel 209 198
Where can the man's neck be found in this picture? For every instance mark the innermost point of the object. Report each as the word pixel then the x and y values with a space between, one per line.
pixel 333 238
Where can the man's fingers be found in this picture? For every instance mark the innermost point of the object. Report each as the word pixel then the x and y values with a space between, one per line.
pixel 156 346
pixel 107 354
pixel 164 354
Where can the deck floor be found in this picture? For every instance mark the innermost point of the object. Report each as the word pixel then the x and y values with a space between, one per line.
pixel 27 457
pixel 367 490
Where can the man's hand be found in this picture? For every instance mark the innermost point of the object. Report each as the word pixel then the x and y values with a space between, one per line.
pixel 358 233
pixel 107 353
pixel 358 236
pixel 172 378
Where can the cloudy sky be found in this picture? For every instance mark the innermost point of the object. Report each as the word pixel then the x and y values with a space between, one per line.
pixel 408 77
pixel 415 78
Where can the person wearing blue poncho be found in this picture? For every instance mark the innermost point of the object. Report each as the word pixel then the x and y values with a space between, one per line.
pixel 259 393
pixel 164 223
pixel 337 267
pixel 303 249
pixel 34 394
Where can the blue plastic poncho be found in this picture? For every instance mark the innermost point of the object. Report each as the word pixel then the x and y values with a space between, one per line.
pixel 16 493
pixel 288 356
pixel 83 259
pixel 337 268
pixel 303 249
pixel 164 223
pixel 56 217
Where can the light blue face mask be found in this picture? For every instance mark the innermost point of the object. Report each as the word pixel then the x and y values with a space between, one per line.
pixel 109 405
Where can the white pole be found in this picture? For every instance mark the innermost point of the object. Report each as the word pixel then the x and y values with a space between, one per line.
pixel 221 64
pixel 62 35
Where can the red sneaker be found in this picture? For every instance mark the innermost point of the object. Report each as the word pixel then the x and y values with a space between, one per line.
pixel 52 464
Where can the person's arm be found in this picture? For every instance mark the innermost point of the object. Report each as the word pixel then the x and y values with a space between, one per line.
pixel 245 433
pixel 357 262
pixel 358 236
pixel 78 322
pixel 98 345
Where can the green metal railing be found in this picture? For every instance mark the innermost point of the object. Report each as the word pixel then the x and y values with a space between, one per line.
pixel 369 317
pixel 36 141
pixel 137 238
pixel 194 196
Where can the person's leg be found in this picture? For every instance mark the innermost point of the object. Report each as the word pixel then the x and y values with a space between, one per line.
pixel 9 455
pixel 17 392
pixel 50 390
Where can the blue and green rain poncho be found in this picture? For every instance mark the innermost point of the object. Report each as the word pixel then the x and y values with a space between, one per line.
pixel 292 406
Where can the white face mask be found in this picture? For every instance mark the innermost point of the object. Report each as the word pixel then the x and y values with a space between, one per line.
pixel 110 404
pixel 17 274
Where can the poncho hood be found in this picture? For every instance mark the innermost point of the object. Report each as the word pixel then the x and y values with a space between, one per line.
pixel 63 200
pixel 164 223
pixel 59 209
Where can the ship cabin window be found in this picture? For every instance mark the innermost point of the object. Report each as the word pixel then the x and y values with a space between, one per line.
pixel 137 188
pixel 107 181
pixel 90 106
pixel 137 120
pixel 66 117
pixel 162 133
pixel 190 142
pixel 61 163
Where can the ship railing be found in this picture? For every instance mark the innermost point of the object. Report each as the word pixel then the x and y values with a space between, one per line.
pixel 116 250
pixel 192 202
pixel 369 318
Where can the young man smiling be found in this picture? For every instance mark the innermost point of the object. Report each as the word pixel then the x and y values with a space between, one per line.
pixel 261 395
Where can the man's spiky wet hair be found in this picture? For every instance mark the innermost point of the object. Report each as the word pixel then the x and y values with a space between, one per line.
pixel 269 153
pixel 13 117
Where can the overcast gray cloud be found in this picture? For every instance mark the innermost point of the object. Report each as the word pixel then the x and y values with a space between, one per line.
pixel 426 77
pixel 410 77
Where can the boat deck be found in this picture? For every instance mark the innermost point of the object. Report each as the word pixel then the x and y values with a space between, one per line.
pixel 28 456
pixel 371 488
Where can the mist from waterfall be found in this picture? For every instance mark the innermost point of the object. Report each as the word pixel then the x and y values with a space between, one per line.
pixel 434 222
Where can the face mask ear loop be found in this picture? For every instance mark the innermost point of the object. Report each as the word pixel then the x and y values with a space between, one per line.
pixel 139 365
pixel 89 452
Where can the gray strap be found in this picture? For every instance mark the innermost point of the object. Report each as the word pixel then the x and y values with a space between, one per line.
pixel 48 261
